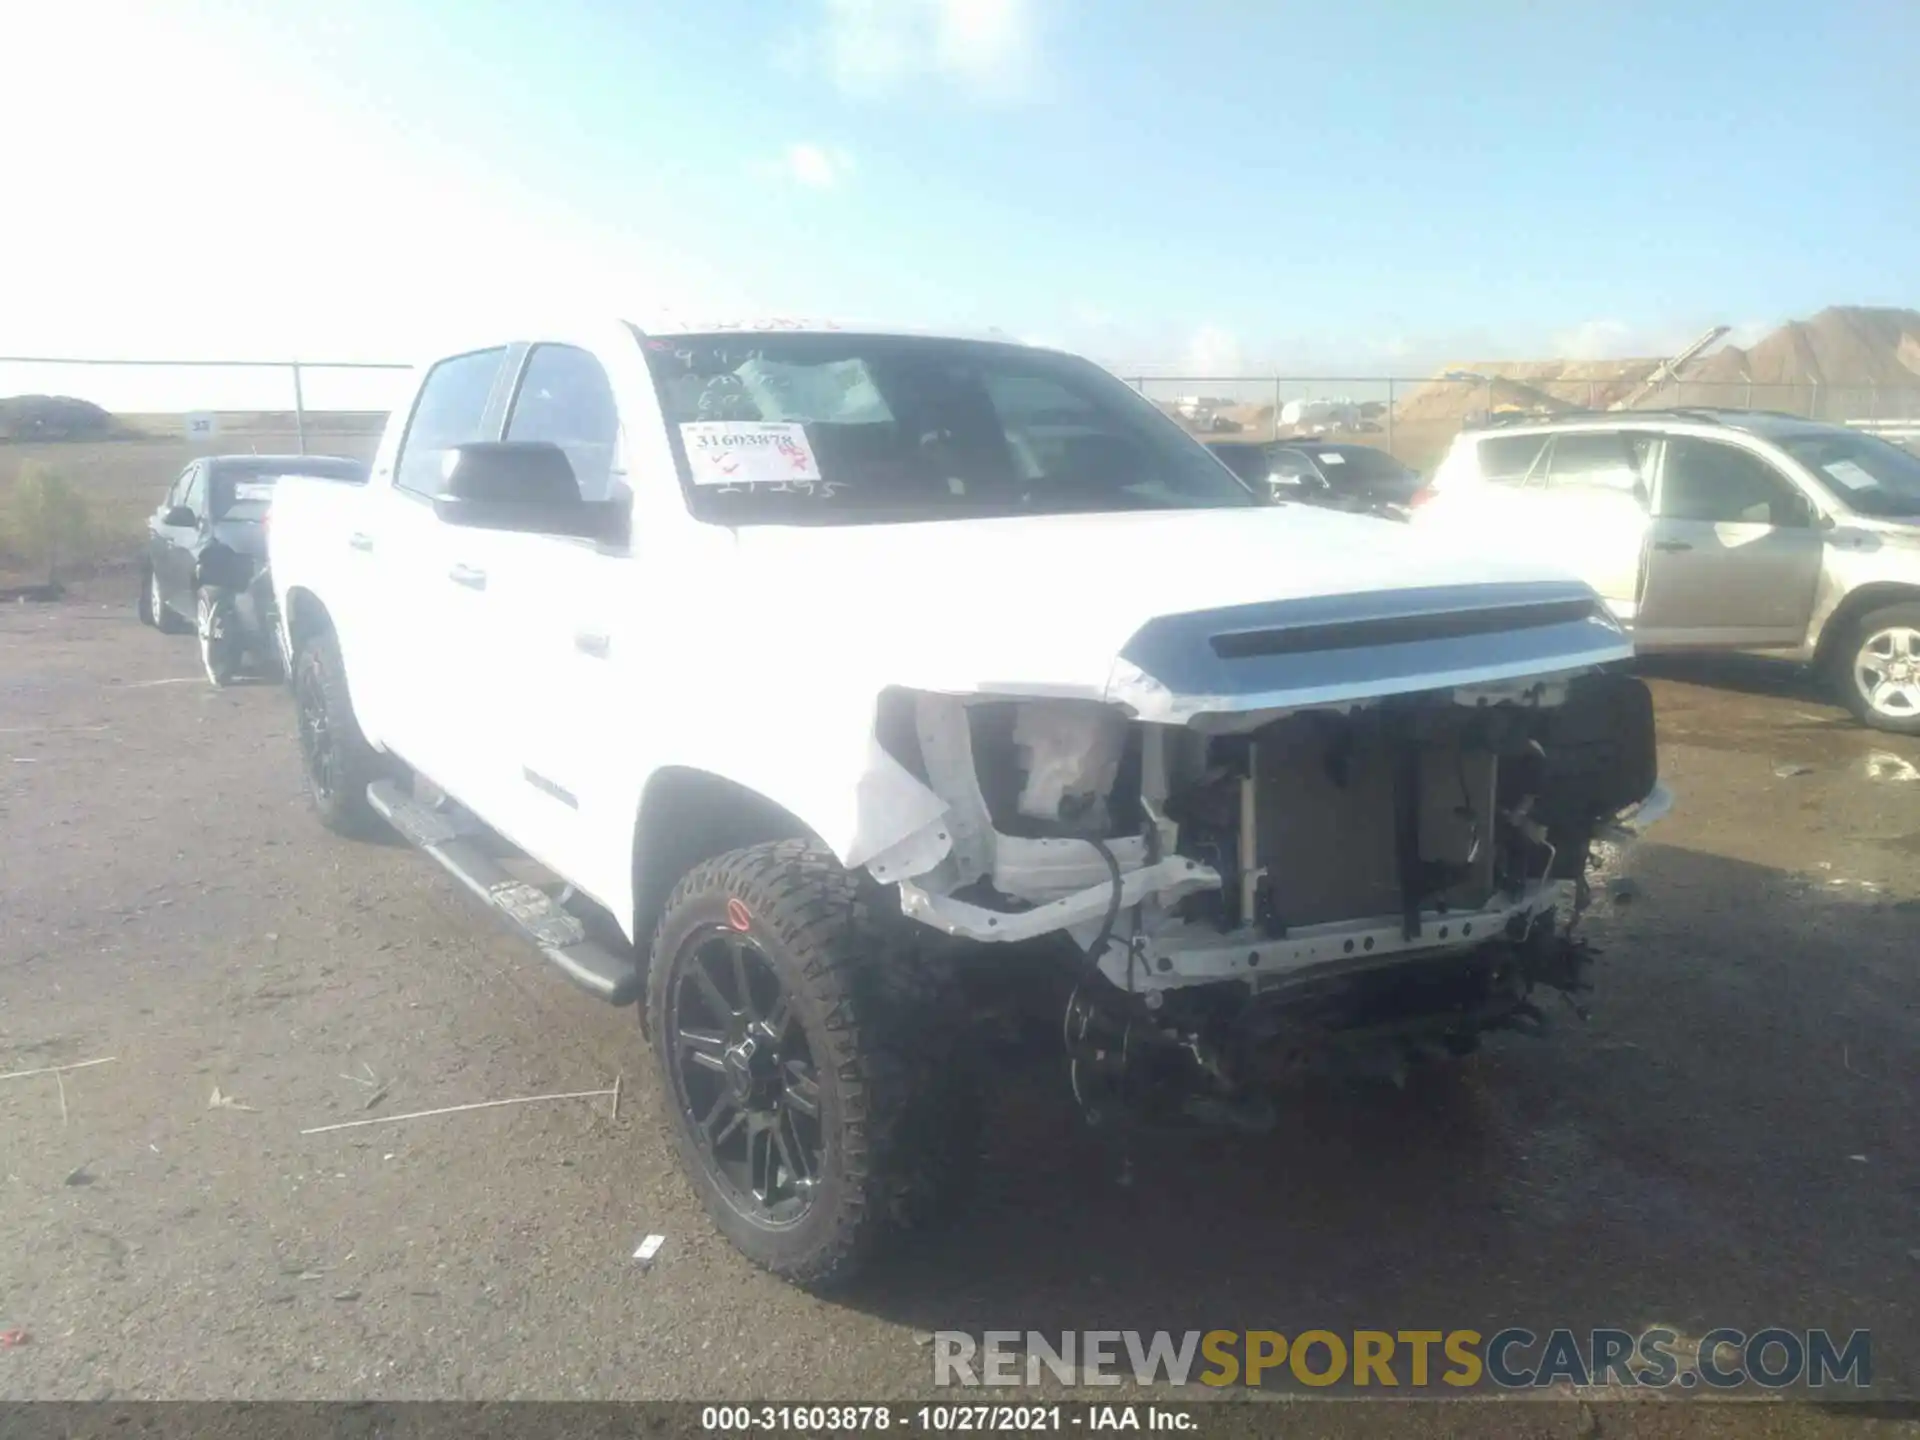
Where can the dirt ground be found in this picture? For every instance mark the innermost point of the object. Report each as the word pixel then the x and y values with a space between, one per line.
pixel 1730 1140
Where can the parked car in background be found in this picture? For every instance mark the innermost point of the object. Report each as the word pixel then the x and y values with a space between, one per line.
pixel 1358 478
pixel 205 565
pixel 1717 530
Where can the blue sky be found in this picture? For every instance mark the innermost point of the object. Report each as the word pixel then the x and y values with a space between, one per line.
pixel 1368 187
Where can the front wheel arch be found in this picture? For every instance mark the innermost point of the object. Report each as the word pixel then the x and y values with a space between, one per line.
pixel 688 816
pixel 1903 616
pixel 1839 629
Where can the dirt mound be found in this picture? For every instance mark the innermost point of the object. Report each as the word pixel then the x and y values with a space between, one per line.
pixel 1847 361
pixel 1523 385
pixel 1844 356
pixel 54 417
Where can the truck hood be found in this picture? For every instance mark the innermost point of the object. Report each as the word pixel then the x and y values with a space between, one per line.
pixel 1179 613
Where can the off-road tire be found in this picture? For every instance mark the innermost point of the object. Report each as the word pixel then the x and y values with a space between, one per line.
pixel 153 610
pixel 882 1020
pixel 339 796
pixel 217 623
pixel 1842 671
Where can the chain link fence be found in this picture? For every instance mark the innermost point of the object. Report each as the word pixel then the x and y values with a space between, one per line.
pixel 119 431
pixel 1416 419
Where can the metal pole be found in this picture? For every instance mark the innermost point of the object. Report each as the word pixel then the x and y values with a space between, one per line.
pixel 1390 450
pixel 1274 424
pixel 299 409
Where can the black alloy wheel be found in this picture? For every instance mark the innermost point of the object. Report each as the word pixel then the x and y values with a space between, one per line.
pixel 745 1077
pixel 812 1061
pixel 338 762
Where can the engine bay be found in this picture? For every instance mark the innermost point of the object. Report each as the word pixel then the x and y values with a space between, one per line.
pixel 1262 887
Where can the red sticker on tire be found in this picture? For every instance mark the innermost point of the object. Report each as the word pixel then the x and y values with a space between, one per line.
pixel 737 916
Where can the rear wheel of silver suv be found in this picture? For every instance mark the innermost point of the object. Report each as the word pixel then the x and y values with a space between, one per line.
pixel 1878 669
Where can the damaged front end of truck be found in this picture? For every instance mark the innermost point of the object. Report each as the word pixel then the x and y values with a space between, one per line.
pixel 1348 828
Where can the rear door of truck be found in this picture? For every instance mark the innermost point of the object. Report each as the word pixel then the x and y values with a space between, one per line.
pixel 421 615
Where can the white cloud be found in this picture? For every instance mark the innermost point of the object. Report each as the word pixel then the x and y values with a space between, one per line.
pixel 816 167
pixel 1213 352
pixel 873 48
pixel 1617 340
pixel 1598 340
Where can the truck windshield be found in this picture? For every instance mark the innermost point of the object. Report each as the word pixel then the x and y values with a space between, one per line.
pixel 1870 475
pixel 834 429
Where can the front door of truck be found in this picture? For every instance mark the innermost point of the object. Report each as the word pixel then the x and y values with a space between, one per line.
pixel 552 606
pixel 1734 555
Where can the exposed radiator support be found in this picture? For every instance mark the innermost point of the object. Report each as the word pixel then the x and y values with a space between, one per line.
pixel 1250 869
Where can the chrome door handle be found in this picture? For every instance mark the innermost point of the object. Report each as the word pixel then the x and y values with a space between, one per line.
pixel 592 642
pixel 359 540
pixel 468 576
pixel 1672 547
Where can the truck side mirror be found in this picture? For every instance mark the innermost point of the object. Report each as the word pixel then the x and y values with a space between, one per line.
pixel 522 485
pixel 179 517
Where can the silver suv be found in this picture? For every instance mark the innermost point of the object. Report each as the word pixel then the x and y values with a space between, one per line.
pixel 1716 530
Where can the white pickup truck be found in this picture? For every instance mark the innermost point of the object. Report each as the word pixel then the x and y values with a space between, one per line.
pixel 766 675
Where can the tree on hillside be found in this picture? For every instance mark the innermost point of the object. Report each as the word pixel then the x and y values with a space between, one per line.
pixel 50 518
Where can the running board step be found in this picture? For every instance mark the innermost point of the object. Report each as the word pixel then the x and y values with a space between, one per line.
pixel 450 838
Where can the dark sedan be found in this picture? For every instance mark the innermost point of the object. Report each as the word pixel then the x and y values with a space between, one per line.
pixel 205 567
pixel 1338 476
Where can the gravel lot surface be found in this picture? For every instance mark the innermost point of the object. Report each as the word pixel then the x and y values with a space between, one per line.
pixel 1730 1140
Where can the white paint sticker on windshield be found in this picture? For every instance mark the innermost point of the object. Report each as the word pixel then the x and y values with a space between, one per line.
pixel 1849 474
pixel 723 452
pixel 253 490
pixel 1331 457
